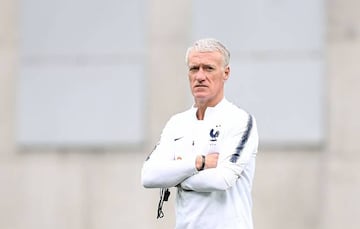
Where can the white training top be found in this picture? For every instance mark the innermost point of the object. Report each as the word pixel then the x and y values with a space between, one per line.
pixel 218 198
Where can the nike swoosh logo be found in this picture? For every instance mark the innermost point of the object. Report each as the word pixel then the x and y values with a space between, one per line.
pixel 175 139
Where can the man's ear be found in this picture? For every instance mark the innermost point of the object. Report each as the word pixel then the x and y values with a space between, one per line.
pixel 227 73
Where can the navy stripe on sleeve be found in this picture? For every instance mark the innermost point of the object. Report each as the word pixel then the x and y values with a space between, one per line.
pixel 234 158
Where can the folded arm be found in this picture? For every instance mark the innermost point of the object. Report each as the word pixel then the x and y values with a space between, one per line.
pixel 166 173
pixel 242 145
pixel 161 169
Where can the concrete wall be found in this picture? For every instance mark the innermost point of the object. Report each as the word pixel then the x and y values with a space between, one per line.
pixel 342 180
pixel 78 189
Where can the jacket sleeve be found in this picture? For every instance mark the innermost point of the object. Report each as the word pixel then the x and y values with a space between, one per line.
pixel 161 170
pixel 242 143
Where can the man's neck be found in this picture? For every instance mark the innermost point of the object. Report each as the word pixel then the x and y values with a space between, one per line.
pixel 200 113
pixel 201 108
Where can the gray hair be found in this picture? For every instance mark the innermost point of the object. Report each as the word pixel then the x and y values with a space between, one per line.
pixel 209 45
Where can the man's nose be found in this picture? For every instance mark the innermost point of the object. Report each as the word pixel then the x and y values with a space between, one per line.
pixel 200 75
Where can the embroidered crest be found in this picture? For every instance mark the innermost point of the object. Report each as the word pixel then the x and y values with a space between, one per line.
pixel 214 134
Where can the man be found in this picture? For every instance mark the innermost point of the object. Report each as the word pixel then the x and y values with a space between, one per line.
pixel 207 152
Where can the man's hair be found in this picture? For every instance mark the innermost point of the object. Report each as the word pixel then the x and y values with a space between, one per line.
pixel 209 45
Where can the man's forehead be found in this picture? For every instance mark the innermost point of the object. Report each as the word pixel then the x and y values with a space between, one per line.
pixel 196 57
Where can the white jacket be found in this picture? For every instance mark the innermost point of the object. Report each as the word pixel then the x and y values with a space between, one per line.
pixel 218 198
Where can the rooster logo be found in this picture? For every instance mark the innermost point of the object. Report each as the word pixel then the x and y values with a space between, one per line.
pixel 214 135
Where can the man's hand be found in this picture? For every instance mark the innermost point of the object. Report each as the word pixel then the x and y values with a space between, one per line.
pixel 211 160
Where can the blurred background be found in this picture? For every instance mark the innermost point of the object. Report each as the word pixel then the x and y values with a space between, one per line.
pixel 86 87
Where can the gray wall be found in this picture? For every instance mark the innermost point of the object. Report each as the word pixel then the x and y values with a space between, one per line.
pixel 296 186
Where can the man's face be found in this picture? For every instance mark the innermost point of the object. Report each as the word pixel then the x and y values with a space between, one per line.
pixel 207 76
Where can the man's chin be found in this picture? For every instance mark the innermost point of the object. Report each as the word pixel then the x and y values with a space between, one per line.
pixel 200 96
pixel 200 99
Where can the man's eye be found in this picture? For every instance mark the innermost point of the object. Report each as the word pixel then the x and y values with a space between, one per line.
pixel 192 69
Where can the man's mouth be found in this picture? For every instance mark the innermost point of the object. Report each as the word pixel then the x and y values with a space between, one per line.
pixel 200 85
